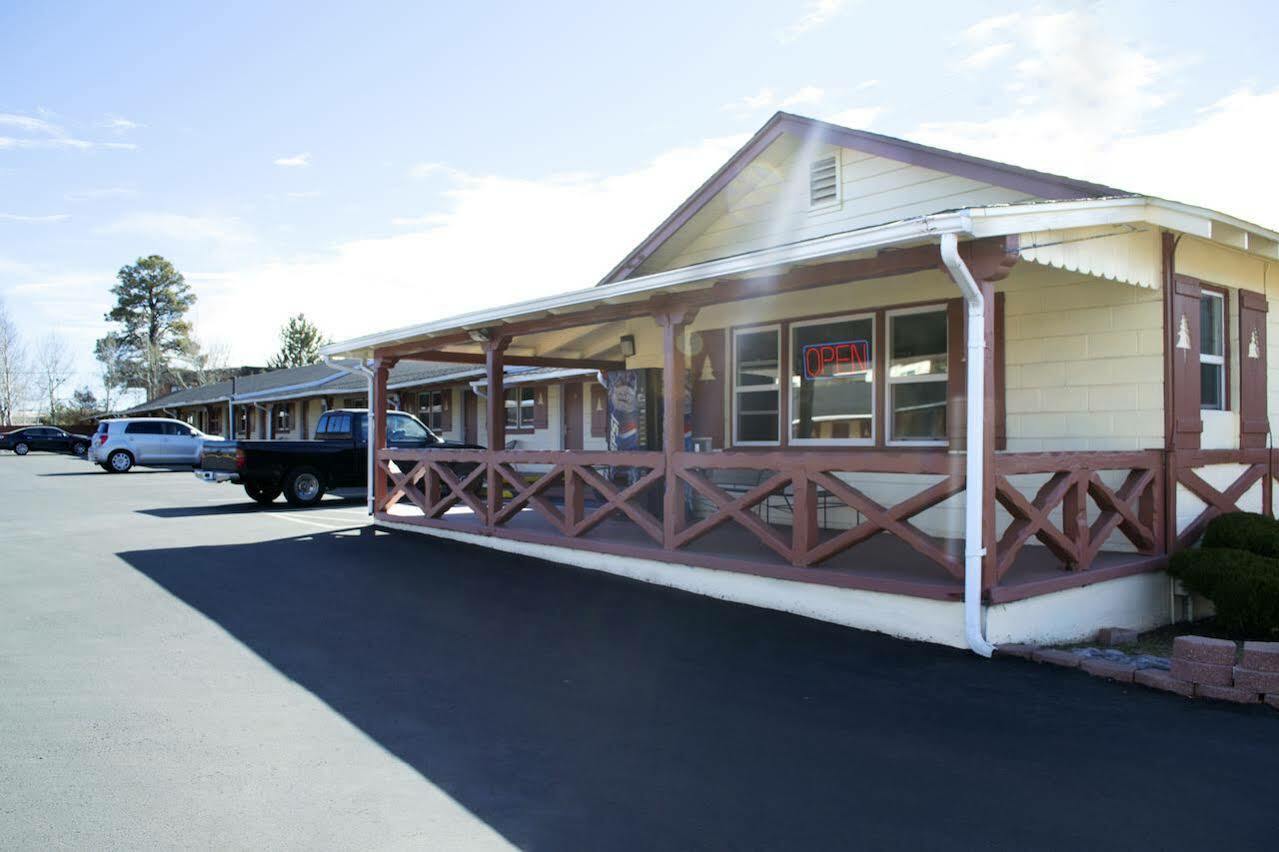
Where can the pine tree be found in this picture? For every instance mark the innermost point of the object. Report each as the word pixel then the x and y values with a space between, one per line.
pixel 300 343
pixel 152 300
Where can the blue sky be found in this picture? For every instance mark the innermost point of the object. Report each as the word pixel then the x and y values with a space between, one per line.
pixel 441 158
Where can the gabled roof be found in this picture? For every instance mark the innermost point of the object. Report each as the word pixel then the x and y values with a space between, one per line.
pixel 1038 184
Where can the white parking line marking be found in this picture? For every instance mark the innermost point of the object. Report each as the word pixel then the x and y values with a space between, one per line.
pixel 334 526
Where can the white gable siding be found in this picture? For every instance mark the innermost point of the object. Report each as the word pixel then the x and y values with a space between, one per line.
pixel 874 190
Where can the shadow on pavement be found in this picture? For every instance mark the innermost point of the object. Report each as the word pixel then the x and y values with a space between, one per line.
pixel 134 472
pixel 575 710
pixel 246 506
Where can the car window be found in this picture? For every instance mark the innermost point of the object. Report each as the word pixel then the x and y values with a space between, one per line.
pixel 144 428
pixel 102 429
pixel 337 424
pixel 402 428
pixel 177 429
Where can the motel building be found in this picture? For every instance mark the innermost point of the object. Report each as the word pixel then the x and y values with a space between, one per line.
pixel 545 407
pixel 871 382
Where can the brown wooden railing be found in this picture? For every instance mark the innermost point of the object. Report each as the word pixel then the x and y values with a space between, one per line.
pixel 1135 508
pixel 1075 513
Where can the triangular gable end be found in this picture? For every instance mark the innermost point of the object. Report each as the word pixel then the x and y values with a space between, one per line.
pixel 749 202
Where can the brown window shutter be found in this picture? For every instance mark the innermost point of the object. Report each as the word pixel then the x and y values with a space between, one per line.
pixel 599 411
pixel 446 410
pixel 1254 423
pixel 957 374
pixel 540 420
pixel 1183 342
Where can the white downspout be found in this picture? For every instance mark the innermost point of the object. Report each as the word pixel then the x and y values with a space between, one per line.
pixel 974 504
pixel 360 367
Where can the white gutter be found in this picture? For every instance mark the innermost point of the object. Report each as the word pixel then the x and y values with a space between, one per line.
pixel 524 378
pixel 849 242
pixel 360 367
pixel 974 497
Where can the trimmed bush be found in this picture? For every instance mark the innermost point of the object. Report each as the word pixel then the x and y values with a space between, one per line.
pixel 1244 531
pixel 1243 586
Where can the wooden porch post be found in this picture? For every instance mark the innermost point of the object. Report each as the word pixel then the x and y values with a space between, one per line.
pixel 377 428
pixel 495 367
pixel 672 323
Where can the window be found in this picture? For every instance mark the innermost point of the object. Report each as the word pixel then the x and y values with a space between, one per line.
pixel 1212 351
pixel 215 421
pixel 402 428
pixel 756 385
pixel 283 418
pixel 918 353
pixel 519 408
pixel 335 424
pixel 144 427
pixel 832 390
pixel 823 182
pixel 430 409
pixel 179 430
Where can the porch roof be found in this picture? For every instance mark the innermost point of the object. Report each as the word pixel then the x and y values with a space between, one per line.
pixel 1002 220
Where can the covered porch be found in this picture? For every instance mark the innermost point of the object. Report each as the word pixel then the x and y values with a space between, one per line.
pixel 829 500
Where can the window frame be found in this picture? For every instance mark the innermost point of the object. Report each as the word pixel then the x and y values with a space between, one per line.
pixel 791 325
pixel 889 381
pixel 1222 361
pixel 521 427
pixel 776 387
pixel 283 417
pixel 432 415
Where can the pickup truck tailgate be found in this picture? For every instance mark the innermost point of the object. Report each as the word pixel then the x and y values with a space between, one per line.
pixel 220 456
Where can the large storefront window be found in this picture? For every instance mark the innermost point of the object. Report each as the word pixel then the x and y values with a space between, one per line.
pixel 756 385
pixel 917 375
pixel 832 392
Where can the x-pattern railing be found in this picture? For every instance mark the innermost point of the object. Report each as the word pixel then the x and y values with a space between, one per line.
pixel 1131 508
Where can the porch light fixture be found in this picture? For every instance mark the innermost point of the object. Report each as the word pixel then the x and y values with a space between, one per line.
pixel 480 335
pixel 628 345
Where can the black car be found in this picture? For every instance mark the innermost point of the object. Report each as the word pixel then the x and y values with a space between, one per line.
pixel 47 438
pixel 303 471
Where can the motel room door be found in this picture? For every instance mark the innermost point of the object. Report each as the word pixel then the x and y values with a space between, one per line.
pixel 573 416
pixel 470 417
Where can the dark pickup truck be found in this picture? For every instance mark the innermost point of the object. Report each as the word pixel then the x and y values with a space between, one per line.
pixel 305 470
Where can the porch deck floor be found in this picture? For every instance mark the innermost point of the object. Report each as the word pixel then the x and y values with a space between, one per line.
pixel 882 562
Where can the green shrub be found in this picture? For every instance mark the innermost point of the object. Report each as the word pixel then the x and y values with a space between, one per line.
pixel 1244 531
pixel 1243 587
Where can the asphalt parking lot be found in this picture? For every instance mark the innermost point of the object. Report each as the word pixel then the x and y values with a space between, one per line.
pixel 179 668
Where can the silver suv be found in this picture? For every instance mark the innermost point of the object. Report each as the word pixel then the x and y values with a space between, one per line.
pixel 120 444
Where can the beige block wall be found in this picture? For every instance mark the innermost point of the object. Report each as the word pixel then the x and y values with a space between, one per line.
pixel 1084 362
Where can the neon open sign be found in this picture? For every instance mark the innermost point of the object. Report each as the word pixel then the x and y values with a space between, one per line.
pixel 829 360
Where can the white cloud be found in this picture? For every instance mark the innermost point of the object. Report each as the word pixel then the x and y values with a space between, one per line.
pixel 427 221
pixel 310 193
pixel 817 13
pixel 500 239
pixel 768 99
pixel 858 118
pixel 42 133
pixel 1091 106
pixel 296 161
pixel 120 124
pixel 180 227
pixel 421 171
pixel 100 193
pixel 17 217
pixel 986 56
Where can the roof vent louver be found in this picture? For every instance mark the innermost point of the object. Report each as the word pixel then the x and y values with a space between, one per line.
pixel 823 182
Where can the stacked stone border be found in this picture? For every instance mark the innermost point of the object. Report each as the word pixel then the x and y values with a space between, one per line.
pixel 1201 667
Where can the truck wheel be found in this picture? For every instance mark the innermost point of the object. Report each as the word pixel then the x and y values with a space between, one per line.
pixel 120 461
pixel 303 487
pixel 264 494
